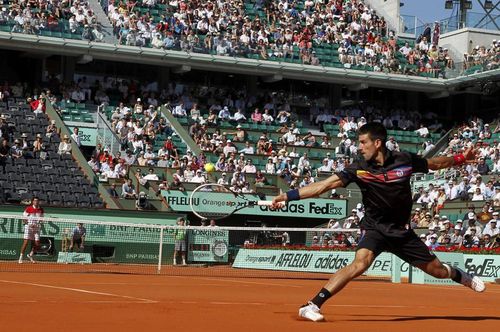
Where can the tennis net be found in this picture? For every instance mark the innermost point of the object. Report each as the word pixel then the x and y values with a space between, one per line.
pixel 111 247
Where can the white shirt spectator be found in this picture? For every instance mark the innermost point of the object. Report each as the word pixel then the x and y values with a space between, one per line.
pixel 198 178
pixel 223 180
pixel 289 137
pixel 267 118
pixel 422 131
pixel 179 110
pixel 239 116
pixel 392 145
pixel 224 113
pixel 247 150
pixel 151 177
pixel 491 228
pixel 249 168
pixel 228 149
pixel 76 138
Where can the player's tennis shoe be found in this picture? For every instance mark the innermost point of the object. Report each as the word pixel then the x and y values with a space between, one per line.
pixel 310 311
pixel 473 282
pixel 30 257
pixel 20 261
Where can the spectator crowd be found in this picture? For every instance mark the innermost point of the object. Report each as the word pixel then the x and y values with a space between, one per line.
pixel 34 17
pixel 281 30
pixel 482 58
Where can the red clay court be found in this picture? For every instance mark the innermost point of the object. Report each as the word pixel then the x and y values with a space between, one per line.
pixel 127 302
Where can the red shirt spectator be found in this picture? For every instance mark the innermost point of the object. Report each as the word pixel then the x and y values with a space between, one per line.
pixel 38 104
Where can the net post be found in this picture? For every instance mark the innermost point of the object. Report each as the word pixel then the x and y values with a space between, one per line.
pixel 396 269
pixel 160 250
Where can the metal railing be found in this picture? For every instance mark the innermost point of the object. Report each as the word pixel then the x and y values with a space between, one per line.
pixel 414 26
pixel 105 134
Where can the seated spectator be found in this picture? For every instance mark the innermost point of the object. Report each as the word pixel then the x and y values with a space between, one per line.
pixel 270 167
pixel 223 179
pixel 64 146
pixel 260 179
pixel 482 167
pixel 239 117
pixel 16 150
pixel 179 111
pixel 256 116
pixel 391 144
pixel 422 131
pixel 176 184
pixel 112 191
pixel 249 167
pixel 37 105
pixel 267 118
pixel 151 176
pixel 198 177
pixel 478 195
pixel 128 191
pixel 239 134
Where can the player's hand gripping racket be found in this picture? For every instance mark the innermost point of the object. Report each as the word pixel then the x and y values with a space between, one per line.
pixel 215 201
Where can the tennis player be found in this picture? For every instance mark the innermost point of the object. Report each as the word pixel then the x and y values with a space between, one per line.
pixel 32 213
pixel 384 179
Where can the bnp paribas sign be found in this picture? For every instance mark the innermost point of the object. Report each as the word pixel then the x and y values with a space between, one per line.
pixel 320 208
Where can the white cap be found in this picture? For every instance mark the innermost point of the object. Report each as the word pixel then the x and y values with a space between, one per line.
pixel 471 215
pixel 422 236
pixel 457 227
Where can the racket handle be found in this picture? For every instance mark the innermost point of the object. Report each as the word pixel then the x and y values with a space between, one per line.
pixel 269 203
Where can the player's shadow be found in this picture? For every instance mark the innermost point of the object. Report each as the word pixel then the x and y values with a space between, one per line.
pixel 391 318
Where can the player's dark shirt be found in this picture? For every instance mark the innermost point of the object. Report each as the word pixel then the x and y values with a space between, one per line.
pixel 386 189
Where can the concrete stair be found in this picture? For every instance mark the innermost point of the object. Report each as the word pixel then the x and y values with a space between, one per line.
pixel 102 18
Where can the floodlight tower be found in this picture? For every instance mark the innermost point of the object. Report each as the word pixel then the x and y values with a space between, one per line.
pixel 489 8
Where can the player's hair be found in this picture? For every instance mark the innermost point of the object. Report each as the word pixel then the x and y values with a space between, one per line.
pixel 375 130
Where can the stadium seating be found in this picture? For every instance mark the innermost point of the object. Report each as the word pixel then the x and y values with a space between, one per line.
pixel 325 50
pixel 57 179
pixel 76 112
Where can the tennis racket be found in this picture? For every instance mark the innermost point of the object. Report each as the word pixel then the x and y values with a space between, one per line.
pixel 215 201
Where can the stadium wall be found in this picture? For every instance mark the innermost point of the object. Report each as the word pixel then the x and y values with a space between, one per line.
pixel 389 10
pixel 122 216
pixel 464 40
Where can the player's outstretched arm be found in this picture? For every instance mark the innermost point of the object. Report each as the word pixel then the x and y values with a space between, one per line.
pixel 444 162
pixel 312 190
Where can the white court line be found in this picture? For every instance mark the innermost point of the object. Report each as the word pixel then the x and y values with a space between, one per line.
pixel 78 290
pixel 238 303
pixel 256 283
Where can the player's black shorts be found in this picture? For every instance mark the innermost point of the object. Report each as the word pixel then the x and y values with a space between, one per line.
pixel 406 246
